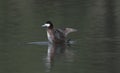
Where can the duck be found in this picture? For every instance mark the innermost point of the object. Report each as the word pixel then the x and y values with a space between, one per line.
pixel 56 35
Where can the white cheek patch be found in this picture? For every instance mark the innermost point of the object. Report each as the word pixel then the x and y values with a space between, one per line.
pixel 47 25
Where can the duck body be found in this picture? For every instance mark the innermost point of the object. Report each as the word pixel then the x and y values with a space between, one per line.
pixel 56 35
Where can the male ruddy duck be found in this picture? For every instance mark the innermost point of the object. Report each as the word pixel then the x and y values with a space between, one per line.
pixel 57 35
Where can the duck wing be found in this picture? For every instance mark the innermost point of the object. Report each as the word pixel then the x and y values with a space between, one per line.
pixel 59 34
pixel 69 30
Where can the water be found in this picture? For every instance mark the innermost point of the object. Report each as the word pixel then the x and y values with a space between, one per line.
pixel 96 47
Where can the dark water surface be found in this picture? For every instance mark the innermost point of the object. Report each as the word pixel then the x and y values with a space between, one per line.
pixel 97 41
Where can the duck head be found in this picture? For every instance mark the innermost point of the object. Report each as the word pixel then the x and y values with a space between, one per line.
pixel 48 24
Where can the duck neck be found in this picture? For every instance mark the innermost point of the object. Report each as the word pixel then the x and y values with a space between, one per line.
pixel 50 35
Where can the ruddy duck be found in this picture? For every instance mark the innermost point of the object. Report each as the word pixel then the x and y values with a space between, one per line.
pixel 57 35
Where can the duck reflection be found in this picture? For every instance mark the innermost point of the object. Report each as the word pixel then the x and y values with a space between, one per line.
pixel 61 50
pixel 57 50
